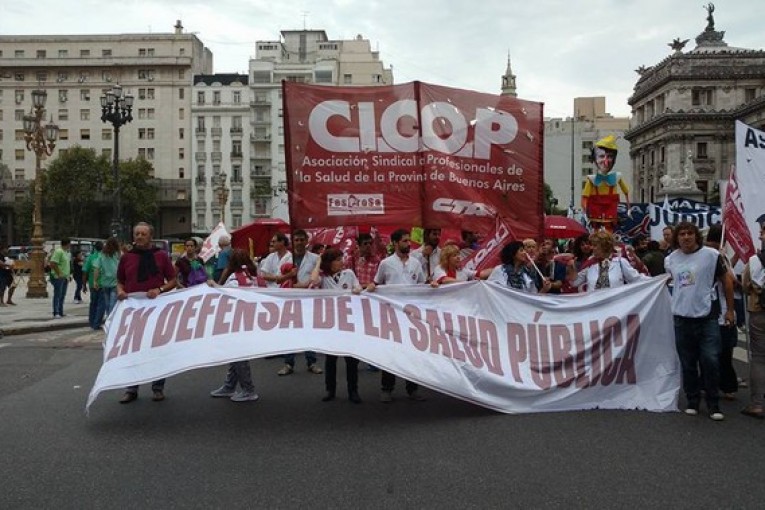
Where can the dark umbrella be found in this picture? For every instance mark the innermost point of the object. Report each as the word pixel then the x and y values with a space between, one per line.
pixel 561 227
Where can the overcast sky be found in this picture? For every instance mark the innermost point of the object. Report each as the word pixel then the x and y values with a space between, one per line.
pixel 560 49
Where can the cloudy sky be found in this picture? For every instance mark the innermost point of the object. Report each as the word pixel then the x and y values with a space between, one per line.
pixel 560 49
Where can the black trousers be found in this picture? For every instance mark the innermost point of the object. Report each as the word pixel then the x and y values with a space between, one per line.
pixel 351 373
pixel 728 379
pixel 388 382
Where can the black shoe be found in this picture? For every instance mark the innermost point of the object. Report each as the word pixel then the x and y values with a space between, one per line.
pixel 128 397
pixel 354 397
pixel 329 396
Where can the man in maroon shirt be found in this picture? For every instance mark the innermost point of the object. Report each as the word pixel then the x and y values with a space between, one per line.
pixel 149 270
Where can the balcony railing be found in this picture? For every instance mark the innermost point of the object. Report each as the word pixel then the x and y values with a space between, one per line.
pixel 200 156
pixel 200 132
pixel 216 156
pixel 216 131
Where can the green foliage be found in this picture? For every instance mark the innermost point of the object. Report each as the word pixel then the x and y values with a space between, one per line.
pixel 70 188
pixel 138 191
pixel 550 202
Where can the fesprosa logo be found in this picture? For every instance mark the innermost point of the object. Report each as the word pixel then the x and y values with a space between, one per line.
pixel 490 127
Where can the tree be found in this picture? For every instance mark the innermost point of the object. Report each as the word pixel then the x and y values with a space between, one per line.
pixel 137 190
pixel 551 203
pixel 70 187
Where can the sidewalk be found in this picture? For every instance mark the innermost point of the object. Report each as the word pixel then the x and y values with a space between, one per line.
pixel 36 315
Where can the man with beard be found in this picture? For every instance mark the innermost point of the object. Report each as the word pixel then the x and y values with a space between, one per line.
pixel 149 270
pixel 695 269
pixel 429 254
pixel 398 269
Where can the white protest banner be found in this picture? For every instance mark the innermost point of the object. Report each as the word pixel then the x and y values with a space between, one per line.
pixel 750 174
pixel 210 246
pixel 665 215
pixel 477 341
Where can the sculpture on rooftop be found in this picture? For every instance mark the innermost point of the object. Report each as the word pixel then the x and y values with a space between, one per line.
pixel 710 8
pixel 677 44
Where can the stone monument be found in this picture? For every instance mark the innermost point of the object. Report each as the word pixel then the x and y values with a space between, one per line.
pixel 681 182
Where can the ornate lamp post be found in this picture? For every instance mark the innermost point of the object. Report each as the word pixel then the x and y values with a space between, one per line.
pixel 221 193
pixel 41 140
pixel 118 111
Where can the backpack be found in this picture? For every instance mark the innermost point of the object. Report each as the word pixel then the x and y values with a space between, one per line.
pixel 197 274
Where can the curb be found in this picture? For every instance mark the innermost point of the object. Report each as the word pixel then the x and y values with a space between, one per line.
pixel 25 330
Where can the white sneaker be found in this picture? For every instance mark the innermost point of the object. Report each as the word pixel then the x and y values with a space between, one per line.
pixel 222 392
pixel 692 411
pixel 245 396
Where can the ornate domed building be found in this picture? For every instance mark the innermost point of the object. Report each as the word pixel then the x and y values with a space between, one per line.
pixel 683 113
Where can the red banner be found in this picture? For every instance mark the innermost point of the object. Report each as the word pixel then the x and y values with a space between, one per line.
pixel 736 232
pixel 412 154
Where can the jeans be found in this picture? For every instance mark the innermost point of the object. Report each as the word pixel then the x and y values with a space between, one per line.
pixel 757 363
pixel 698 343
pixel 109 299
pixel 310 358
pixel 78 289
pixel 388 382
pixel 96 308
pixel 239 372
pixel 59 294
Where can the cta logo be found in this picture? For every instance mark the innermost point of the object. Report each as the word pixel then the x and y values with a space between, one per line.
pixel 344 204
pixel 466 207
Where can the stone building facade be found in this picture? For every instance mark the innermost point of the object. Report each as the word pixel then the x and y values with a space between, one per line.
pixel 684 110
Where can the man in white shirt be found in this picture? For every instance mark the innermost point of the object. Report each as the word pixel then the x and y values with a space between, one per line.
pixel 429 253
pixel 304 262
pixel 398 269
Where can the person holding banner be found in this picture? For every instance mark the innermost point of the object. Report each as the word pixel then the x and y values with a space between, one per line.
pixel 329 274
pixel 514 270
pixel 448 269
pixel 600 196
pixel 241 273
pixel 605 269
pixel 753 280
pixel 398 269
pixel 695 269
pixel 429 253
pixel 149 270
pixel 363 261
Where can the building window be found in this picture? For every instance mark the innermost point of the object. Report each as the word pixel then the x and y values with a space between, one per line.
pixel 701 97
pixel 85 95
pixel 142 153
pixel 701 150
pixel 150 153
pixel 84 134
pixel 150 113
pixel 63 96
pixel 323 76
pixel 216 97
pixel 18 115
pixel 150 52
pixel 40 54
pixel 63 53
pixel 181 93
pixel 141 52
pixel 181 153
pixel 261 76
pixel 19 135
pixel 18 174
pixel 750 95
pixel 661 155
pixel 181 113
pixel 180 133
pixel 63 134
pixel 19 95
pixel 18 54
pixel 20 154
pixel 19 76
pixel 142 133
pixel 150 93
pixel 347 79
pixel 41 77
pixel 181 74
pixel 200 97
pixel 237 97
pixel 62 76
pixel 106 134
pixel 84 53
pixel 107 153
pixel 181 173
pixel 84 114
pixel 106 53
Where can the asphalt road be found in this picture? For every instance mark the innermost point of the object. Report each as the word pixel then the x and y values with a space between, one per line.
pixel 289 449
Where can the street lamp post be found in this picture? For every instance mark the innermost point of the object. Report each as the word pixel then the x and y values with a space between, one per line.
pixel 221 192
pixel 41 140
pixel 118 111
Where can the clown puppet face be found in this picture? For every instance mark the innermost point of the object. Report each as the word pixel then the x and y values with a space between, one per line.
pixel 604 160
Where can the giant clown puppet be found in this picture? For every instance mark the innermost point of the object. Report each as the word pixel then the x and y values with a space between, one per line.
pixel 600 196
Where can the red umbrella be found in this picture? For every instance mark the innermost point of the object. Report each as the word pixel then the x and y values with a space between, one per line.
pixel 561 227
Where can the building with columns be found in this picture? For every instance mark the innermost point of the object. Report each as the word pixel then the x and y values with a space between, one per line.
pixel 76 70
pixel 684 111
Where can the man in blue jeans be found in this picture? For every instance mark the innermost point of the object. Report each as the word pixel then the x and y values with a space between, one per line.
pixel 96 308
pixel 695 270
pixel 60 270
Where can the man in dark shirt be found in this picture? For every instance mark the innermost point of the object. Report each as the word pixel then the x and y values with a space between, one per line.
pixel 149 270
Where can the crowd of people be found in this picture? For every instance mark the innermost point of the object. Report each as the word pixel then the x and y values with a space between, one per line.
pixel 707 296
